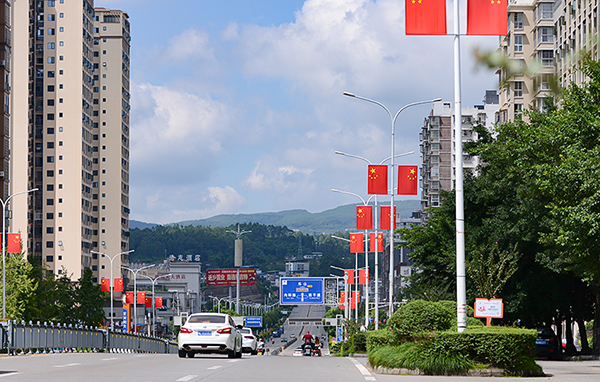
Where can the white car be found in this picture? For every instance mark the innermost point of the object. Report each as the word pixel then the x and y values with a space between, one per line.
pixel 249 341
pixel 210 333
pixel 298 352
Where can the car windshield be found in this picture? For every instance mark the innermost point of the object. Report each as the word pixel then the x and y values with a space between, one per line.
pixel 207 319
pixel 246 331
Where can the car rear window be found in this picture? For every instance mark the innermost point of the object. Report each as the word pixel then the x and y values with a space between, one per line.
pixel 246 331
pixel 207 319
pixel 545 332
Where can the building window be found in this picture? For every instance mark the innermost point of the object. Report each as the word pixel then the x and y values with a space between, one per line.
pixel 50 117
pixel 51 3
pixel 51 74
pixel 547 57
pixel 50 88
pixel 435 200
pixel 518 43
pixel 50 215
pixel 49 202
pixel 49 244
pixel 50 259
pixel 50 159
pixel 435 172
pixel 50 45
pixel 518 21
pixel 546 35
pixel 50 173
pixel 49 229
pixel 61 29
pixel 435 147
pixel 51 31
pixel 51 60
pixel 518 89
pixel 518 110
pixel 545 11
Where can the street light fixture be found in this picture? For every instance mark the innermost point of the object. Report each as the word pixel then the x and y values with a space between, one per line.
pixel 153 280
pixel 135 272
pixel 393 120
pixel 4 203
pixel 112 282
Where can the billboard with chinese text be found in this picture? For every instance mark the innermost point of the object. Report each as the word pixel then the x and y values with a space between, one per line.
pixel 227 277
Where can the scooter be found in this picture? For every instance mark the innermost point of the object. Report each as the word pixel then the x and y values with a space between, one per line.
pixel 308 350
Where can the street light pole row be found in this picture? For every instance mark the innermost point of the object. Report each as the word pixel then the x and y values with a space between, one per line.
pixel 393 122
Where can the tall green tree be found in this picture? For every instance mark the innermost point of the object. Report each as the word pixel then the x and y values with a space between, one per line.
pixel 89 301
pixel 20 286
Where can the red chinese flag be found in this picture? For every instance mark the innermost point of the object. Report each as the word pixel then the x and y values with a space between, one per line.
pixel 118 285
pixel 158 302
pixel 425 17
pixel 129 297
pixel 377 180
pixel 408 180
pixel 342 300
pixel 363 277
pixel 141 297
pixel 105 285
pixel 487 17
pixel 384 217
pixel 376 246
pixel 356 243
pixel 364 217
pixel 355 299
pixel 148 302
pixel 14 243
pixel 350 274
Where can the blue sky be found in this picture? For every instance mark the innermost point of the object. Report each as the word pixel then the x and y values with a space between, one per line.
pixel 237 106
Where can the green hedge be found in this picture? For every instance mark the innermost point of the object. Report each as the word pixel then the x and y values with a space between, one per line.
pixel 420 316
pixel 378 338
pixel 508 348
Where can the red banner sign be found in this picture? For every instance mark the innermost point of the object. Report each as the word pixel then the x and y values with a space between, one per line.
pixel 228 277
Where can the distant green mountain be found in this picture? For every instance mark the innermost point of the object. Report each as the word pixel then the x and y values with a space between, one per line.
pixel 328 221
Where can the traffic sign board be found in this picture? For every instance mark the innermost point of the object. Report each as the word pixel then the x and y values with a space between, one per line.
pixel 254 321
pixel 301 291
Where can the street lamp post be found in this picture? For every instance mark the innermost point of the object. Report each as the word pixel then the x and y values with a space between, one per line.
pixel 112 282
pixel 153 280
pixel 218 302
pixel 135 272
pixel 393 120
pixel 4 203
pixel 238 262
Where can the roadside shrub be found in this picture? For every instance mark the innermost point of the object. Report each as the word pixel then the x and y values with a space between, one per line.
pixel 420 316
pixel 360 341
pixel 378 338
pixel 511 349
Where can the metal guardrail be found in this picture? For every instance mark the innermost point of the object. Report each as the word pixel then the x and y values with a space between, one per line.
pixel 51 338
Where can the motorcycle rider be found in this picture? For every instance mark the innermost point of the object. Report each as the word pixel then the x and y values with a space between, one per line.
pixel 308 341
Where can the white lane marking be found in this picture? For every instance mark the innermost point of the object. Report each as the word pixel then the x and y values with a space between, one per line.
pixel 363 370
pixel 109 359
pixel 8 374
pixel 234 360
pixel 186 378
pixel 214 367
pixel 67 365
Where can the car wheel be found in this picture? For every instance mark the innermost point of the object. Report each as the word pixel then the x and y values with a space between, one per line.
pixel 231 353
pixel 255 352
pixel 239 354
pixel 191 354
pixel 182 353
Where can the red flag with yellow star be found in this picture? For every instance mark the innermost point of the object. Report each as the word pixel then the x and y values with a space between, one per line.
pixel 363 277
pixel 407 180
pixel 158 302
pixel 141 297
pixel 356 243
pixel 129 297
pixel 364 217
pixel 350 274
pixel 118 285
pixel 105 285
pixel 425 17
pixel 384 217
pixel 376 241
pixel 148 302
pixel 377 180
pixel 13 244
pixel 487 17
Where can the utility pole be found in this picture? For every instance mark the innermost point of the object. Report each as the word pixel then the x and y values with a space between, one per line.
pixel 238 262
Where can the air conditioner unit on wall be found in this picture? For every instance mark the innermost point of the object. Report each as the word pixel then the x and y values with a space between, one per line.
pixel 1 174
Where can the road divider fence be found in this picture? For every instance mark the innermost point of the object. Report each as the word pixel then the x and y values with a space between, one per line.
pixel 21 337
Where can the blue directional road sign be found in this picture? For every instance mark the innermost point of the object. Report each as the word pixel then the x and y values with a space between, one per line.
pixel 254 321
pixel 302 291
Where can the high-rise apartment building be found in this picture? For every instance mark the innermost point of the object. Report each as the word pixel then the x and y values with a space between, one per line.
pixel 576 28
pixel 529 47
pixel 74 64
pixel 438 169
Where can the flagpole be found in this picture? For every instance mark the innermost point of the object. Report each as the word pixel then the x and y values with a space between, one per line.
pixel 461 294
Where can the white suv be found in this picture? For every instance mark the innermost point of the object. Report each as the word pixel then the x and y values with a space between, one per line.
pixel 210 333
